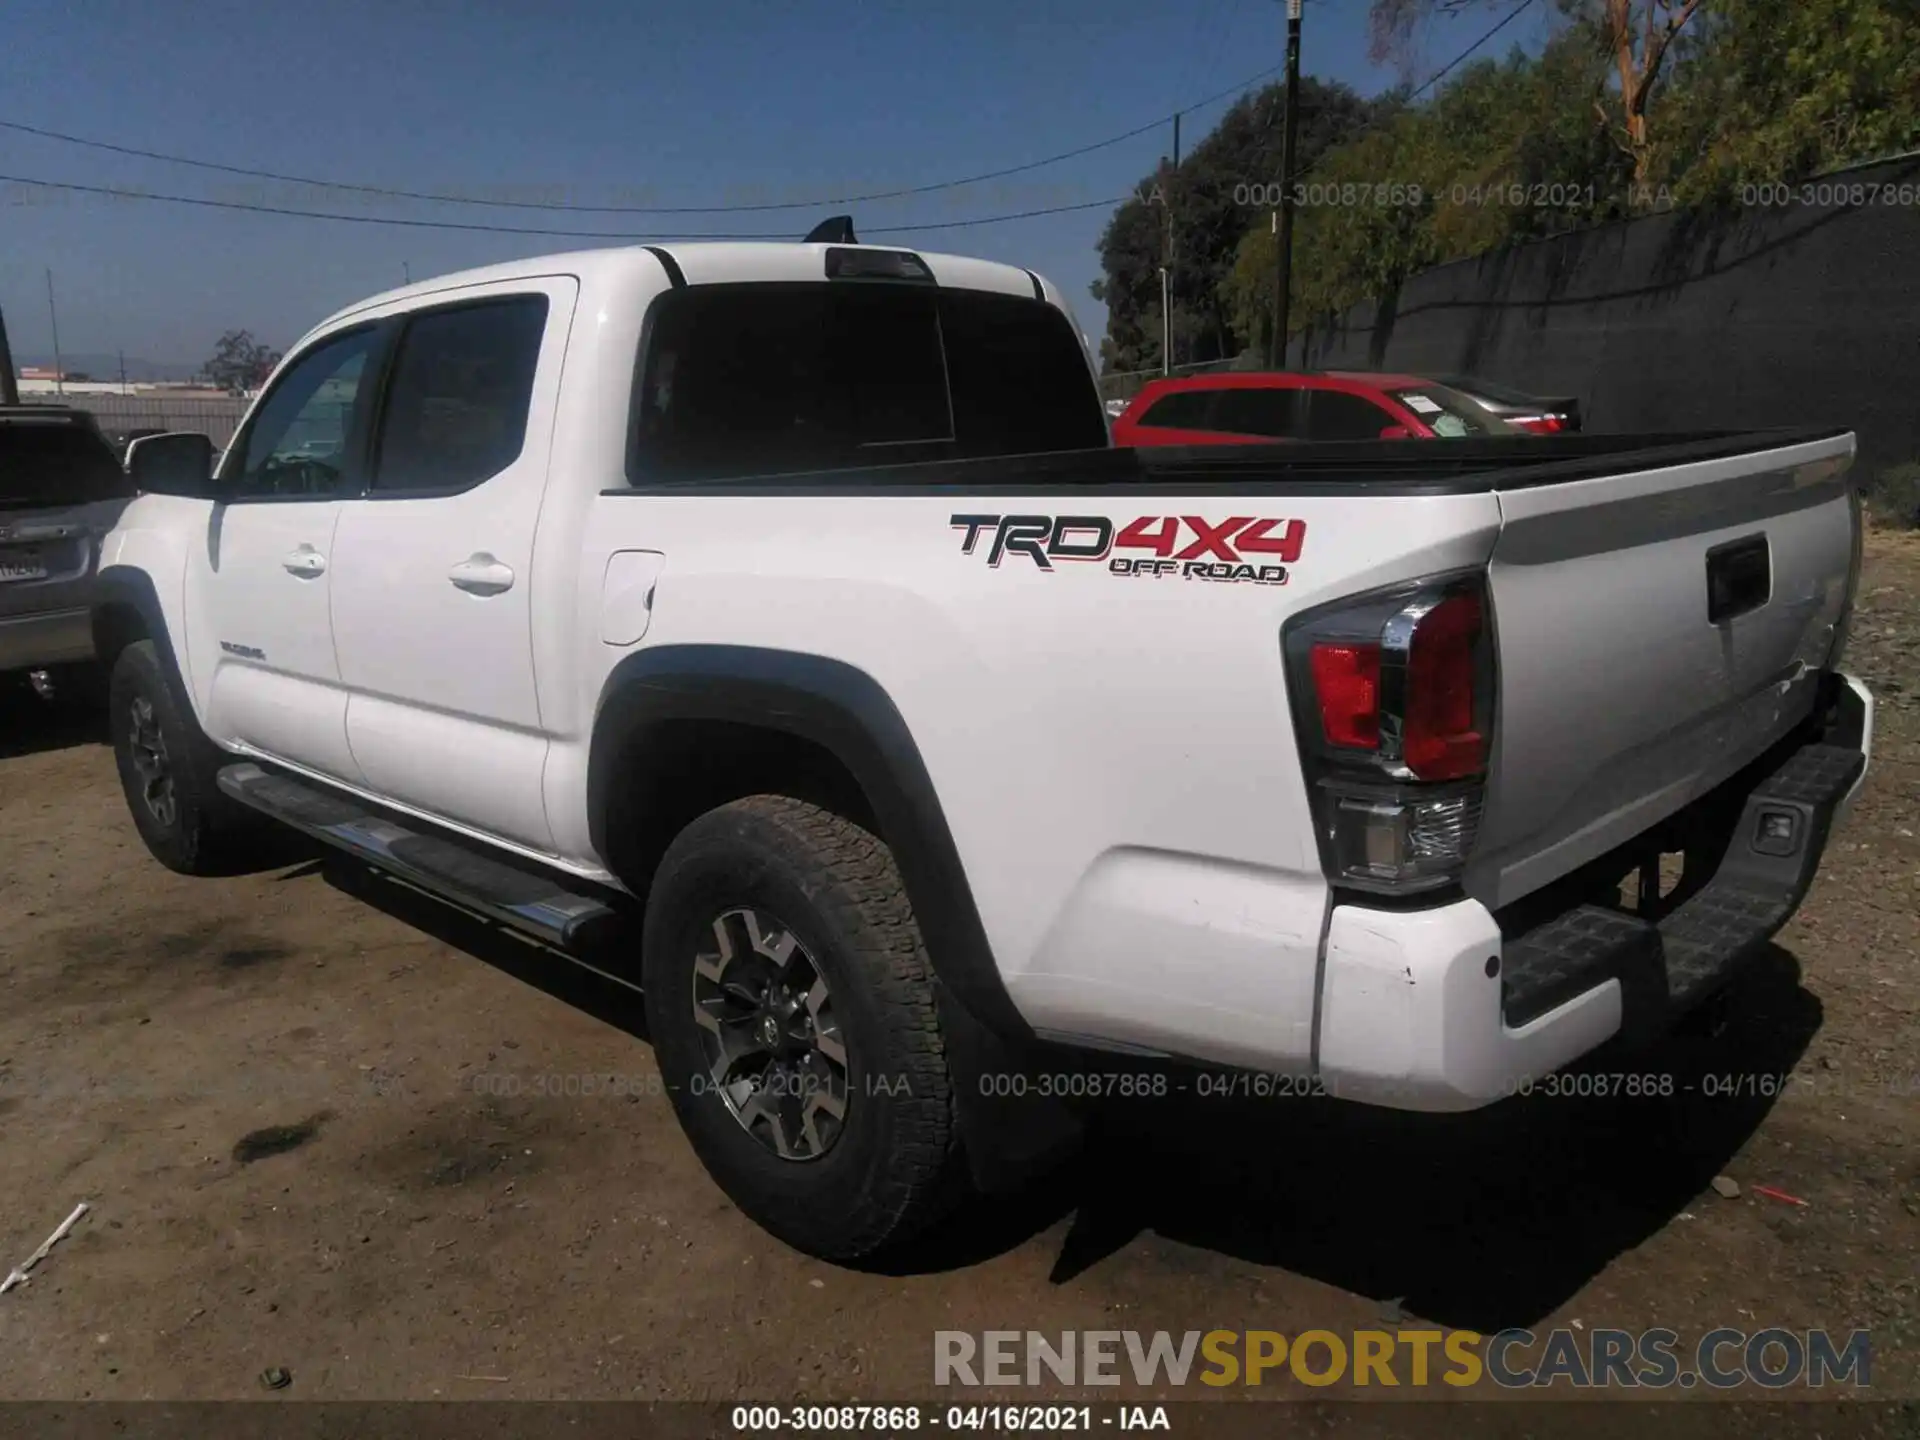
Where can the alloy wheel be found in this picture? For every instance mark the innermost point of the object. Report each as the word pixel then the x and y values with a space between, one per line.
pixel 773 1047
pixel 148 751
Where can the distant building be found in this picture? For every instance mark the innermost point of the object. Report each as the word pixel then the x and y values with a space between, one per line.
pixel 33 381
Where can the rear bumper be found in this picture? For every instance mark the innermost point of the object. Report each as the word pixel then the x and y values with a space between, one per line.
pixel 1454 1007
pixel 54 637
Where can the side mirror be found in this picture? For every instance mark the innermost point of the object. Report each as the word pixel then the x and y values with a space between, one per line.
pixel 177 463
pixel 1396 432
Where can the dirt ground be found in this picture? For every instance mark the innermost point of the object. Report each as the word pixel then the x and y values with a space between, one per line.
pixel 303 1108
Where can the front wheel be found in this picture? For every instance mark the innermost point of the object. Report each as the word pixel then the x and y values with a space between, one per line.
pixel 167 767
pixel 792 1011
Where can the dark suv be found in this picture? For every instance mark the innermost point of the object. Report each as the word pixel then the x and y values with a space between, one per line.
pixel 61 491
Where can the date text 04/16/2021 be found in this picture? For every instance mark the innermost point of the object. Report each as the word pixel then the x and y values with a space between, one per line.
pixel 908 1419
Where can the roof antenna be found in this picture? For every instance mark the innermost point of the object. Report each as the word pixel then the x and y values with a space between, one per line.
pixel 836 231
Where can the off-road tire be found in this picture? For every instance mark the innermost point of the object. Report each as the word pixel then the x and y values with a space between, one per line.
pixel 200 833
pixel 894 1169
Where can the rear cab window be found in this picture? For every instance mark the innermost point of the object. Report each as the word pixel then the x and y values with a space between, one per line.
pixel 770 377
pixel 53 460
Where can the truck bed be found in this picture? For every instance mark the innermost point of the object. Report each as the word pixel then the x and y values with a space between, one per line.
pixel 1370 467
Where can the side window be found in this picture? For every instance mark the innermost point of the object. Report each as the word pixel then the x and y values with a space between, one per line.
pixel 456 405
pixel 1182 410
pixel 1267 411
pixel 1336 415
pixel 297 444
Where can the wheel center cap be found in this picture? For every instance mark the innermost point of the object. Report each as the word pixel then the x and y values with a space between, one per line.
pixel 769 1030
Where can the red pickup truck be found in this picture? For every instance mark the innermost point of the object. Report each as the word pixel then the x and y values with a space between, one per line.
pixel 1238 408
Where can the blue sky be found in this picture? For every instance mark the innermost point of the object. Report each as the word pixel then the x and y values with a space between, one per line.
pixel 595 103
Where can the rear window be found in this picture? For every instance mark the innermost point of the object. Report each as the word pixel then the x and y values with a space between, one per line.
pixel 756 379
pixel 1449 414
pixel 56 462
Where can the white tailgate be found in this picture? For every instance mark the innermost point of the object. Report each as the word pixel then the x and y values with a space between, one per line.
pixel 1619 702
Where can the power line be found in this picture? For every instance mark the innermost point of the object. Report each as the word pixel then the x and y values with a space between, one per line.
pixel 446 199
pixel 1461 58
pixel 477 226
pixel 551 233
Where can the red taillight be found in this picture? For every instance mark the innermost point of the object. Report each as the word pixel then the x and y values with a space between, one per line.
pixel 1542 424
pixel 1394 711
pixel 1442 738
pixel 1346 680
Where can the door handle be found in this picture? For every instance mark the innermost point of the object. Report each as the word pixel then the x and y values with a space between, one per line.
pixel 481 574
pixel 306 562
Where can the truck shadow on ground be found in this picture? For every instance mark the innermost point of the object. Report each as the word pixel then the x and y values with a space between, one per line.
pixel 611 1000
pixel 31 726
pixel 1484 1221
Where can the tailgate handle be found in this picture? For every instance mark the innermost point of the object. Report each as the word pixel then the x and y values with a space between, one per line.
pixel 1739 578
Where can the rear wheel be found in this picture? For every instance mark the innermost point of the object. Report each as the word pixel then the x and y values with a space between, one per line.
pixel 167 768
pixel 791 1007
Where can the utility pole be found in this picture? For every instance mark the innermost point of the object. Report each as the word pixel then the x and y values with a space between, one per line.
pixel 9 385
pixel 59 369
pixel 407 270
pixel 1166 269
pixel 1283 258
pixel 123 372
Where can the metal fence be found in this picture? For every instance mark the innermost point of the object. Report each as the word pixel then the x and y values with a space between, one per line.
pixel 215 416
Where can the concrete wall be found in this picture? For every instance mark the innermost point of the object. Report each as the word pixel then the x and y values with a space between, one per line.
pixel 1802 314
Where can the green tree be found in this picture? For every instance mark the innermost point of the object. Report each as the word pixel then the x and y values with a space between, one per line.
pixel 1637 36
pixel 240 362
pixel 1210 203
pixel 1768 90
pixel 1509 149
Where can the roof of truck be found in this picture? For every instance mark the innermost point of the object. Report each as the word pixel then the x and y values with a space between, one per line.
pixel 711 262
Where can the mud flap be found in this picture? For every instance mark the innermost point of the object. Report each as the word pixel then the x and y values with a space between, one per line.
pixel 1010 1140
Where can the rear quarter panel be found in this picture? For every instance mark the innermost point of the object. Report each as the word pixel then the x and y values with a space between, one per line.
pixel 1114 755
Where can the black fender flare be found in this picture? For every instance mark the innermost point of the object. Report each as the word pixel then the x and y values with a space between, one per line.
pixel 129 587
pixel 847 713
pixel 133 588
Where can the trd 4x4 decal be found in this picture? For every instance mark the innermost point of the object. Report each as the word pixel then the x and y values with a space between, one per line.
pixel 1239 548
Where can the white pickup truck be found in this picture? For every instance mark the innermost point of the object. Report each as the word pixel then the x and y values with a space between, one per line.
pixel 774 620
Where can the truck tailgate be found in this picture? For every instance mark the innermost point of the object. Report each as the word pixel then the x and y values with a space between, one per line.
pixel 1657 630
